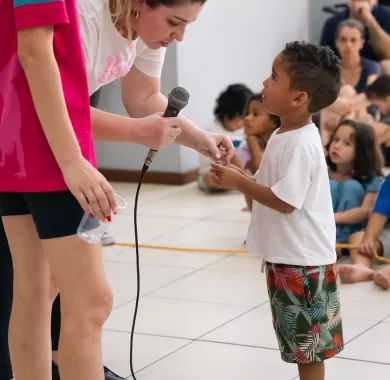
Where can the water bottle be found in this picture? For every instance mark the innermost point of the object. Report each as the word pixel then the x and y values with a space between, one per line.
pixel 91 228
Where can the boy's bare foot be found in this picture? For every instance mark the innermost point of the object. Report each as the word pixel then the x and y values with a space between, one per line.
pixel 351 273
pixel 382 278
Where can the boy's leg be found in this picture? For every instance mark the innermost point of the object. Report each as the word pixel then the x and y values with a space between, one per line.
pixel 6 283
pixel 33 296
pixel 310 295
pixel 312 371
pixel 86 301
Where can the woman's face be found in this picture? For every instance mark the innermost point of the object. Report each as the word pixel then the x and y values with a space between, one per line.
pixel 158 27
pixel 349 42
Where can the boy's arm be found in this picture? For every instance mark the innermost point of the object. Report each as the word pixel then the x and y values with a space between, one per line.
pixel 263 195
pixel 233 179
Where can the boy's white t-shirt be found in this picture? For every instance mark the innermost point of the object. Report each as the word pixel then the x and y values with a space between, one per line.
pixel 294 167
pixel 108 55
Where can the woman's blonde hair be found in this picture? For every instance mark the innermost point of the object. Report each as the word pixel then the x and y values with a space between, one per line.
pixel 121 14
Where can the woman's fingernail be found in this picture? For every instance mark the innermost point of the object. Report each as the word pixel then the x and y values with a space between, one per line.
pixel 90 215
pixel 109 218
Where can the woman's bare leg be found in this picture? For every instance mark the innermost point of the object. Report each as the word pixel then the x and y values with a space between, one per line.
pixel 34 292
pixel 86 302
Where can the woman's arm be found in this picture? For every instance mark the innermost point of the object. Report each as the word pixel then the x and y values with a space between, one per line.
pixel 141 96
pixel 36 56
pixel 152 131
pixel 357 214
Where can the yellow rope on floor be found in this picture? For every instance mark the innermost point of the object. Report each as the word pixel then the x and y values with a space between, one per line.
pixel 183 249
pixel 351 246
pixel 223 251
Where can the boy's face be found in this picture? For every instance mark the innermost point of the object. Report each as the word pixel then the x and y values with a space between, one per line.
pixel 278 97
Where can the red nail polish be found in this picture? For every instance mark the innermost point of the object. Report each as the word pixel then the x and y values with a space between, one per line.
pixel 90 215
pixel 109 218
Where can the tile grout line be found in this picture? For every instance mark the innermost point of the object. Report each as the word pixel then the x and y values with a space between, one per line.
pixel 368 329
pixel 172 282
pixel 197 339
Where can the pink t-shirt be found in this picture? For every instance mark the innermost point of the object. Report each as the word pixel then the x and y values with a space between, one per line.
pixel 26 161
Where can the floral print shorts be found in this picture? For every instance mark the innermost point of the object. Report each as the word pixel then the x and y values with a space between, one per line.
pixel 306 314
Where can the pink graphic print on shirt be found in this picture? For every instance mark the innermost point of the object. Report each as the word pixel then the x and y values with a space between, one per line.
pixel 116 67
pixel 10 116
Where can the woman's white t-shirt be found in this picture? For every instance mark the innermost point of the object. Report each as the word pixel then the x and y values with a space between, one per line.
pixel 108 55
pixel 294 167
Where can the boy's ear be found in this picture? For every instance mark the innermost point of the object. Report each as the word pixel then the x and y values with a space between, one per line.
pixel 300 98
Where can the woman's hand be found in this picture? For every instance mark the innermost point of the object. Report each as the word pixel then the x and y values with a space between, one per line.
pixel 155 131
pixel 90 188
pixel 216 147
pixel 226 176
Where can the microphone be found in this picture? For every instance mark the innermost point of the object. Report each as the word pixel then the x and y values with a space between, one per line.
pixel 177 100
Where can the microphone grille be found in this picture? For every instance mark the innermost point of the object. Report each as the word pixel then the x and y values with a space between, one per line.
pixel 178 98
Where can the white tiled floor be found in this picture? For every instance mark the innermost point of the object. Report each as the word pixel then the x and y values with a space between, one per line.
pixel 206 316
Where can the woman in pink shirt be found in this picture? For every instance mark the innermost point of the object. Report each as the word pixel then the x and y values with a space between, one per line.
pixel 48 175
pixel 48 180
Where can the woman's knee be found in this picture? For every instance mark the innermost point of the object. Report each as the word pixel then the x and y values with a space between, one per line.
pixel 90 306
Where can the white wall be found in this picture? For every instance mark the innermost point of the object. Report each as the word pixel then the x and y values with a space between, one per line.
pixel 233 41
pixel 318 17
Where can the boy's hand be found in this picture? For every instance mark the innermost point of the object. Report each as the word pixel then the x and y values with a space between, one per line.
pixel 239 170
pixel 369 247
pixel 226 176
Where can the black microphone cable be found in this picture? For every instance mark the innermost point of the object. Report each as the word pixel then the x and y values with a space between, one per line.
pixel 177 99
pixel 144 170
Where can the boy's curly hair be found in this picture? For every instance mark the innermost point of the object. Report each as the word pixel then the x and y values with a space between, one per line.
pixel 315 70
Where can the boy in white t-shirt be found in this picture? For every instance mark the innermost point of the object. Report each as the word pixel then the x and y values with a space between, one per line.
pixel 292 225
